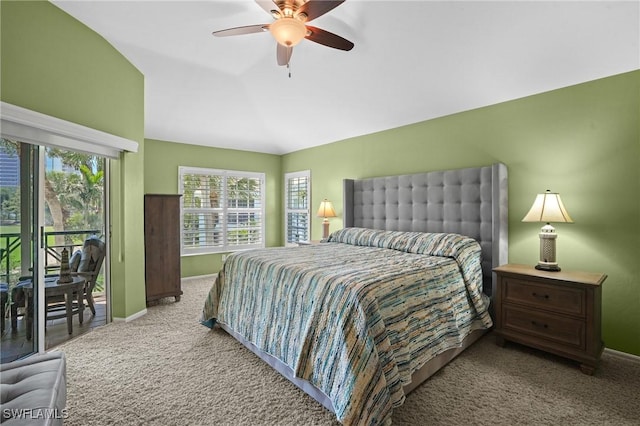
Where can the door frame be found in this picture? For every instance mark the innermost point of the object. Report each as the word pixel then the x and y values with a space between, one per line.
pixel 38 203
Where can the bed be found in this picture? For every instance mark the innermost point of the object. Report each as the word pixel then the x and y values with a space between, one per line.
pixel 360 320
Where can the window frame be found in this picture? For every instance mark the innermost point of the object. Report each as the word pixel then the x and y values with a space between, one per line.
pixel 224 210
pixel 287 210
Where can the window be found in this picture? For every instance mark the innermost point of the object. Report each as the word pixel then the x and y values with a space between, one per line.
pixel 222 210
pixel 297 189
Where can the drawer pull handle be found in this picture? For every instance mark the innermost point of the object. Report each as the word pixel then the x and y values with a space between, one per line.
pixel 540 296
pixel 536 324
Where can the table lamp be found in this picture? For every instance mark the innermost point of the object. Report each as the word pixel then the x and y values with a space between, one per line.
pixel 325 211
pixel 548 208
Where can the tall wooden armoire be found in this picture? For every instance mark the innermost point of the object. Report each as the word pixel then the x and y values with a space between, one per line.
pixel 162 246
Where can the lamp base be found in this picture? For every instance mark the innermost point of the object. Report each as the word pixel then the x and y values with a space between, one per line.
pixel 550 268
pixel 325 229
pixel 547 260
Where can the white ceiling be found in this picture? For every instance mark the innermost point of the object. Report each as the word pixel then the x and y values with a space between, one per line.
pixel 412 61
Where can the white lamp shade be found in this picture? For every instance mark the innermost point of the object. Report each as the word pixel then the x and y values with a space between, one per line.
pixel 548 207
pixel 326 209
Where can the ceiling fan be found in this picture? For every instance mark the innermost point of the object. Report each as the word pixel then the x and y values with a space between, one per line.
pixel 289 27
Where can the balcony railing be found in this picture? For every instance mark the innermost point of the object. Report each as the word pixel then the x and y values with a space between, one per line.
pixel 11 242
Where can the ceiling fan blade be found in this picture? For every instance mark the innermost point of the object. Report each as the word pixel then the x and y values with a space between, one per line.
pixel 283 54
pixel 268 6
pixel 328 39
pixel 316 8
pixel 249 29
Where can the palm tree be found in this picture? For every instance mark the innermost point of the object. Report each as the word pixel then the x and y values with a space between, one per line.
pixel 81 193
pixel 91 195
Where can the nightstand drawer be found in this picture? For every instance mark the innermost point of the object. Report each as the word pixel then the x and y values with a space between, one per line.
pixel 568 331
pixel 561 299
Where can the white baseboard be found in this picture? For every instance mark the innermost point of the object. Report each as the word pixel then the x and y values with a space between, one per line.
pixel 131 317
pixel 197 277
pixel 622 355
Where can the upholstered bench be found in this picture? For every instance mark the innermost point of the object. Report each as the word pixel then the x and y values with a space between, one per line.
pixel 34 390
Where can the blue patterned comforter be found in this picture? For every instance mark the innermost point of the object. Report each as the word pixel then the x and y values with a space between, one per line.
pixel 358 315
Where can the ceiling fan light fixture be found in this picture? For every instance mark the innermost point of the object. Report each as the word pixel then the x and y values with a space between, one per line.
pixel 288 31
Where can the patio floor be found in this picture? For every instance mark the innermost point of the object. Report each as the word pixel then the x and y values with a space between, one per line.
pixel 15 343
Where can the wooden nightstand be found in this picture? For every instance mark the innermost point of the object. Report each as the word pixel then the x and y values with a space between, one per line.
pixel 557 312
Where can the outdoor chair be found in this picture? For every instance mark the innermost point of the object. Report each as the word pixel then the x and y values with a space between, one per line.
pixel 85 263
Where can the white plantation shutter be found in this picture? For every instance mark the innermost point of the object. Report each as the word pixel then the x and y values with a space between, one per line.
pixel 297 195
pixel 222 210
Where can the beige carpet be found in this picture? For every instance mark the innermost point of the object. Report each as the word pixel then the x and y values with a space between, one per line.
pixel 167 369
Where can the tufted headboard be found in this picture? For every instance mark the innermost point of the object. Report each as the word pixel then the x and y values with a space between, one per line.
pixel 471 202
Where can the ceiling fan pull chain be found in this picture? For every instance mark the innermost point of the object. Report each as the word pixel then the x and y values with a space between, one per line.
pixel 289 68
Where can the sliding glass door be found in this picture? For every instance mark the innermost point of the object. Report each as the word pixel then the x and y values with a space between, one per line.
pixel 54 186
pixel 20 249
pixel 74 223
pixel 53 202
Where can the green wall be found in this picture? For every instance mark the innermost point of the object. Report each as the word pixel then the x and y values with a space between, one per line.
pixel 162 160
pixel 53 64
pixel 582 141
